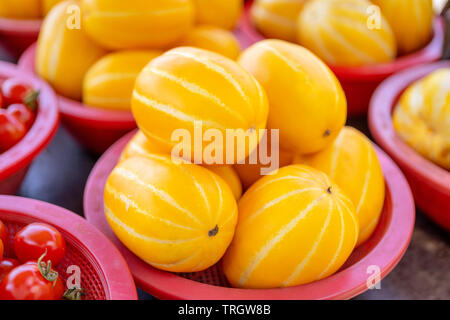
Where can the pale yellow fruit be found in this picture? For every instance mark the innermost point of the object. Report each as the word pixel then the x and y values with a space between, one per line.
pixel 214 39
pixel 137 24
pixel 294 227
pixel 221 13
pixel 65 54
pixel 346 32
pixel 141 146
pixel 277 18
pixel 175 217
pixel 422 117
pixel 20 9
pixel 48 5
pixel 411 21
pixel 110 81
pixel 192 91
pixel 352 163
pixel 307 103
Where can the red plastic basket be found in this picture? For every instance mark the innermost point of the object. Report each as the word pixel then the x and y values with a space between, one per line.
pixel 17 35
pixel 104 273
pixel 14 163
pixel 384 249
pixel 430 183
pixel 359 83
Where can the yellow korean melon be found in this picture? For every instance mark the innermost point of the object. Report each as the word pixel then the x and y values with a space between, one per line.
pixel 195 92
pixel 141 146
pixel 212 38
pixel 220 13
pixel 175 217
pixel 48 5
pixel 352 163
pixel 346 32
pixel 422 117
pixel 249 171
pixel 277 18
pixel 307 103
pixel 110 81
pixel 20 9
pixel 65 54
pixel 411 21
pixel 137 24
pixel 294 227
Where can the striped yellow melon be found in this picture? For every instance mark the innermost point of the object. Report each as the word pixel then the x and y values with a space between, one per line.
pixel 220 13
pixel 307 103
pixel 422 117
pixel 20 9
pixel 352 163
pixel 293 228
pixel 249 172
pixel 48 5
pixel 411 21
pixel 141 146
pixel 110 81
pixel 277 18
pixel 137 24
pixel 186 88
pixel 175 217
pixel 214 39
pixel 346 32
pixel 65 54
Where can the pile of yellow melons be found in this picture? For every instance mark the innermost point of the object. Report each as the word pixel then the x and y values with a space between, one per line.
pixel 26 9
pixel 295 225
pixel 348 32
pixel 422 117
pixel 93 50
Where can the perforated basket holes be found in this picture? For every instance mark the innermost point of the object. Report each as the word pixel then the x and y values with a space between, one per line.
pixel 212 276
pixel 91 277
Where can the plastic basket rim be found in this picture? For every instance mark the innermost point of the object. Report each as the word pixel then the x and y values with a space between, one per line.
pixel 381 126
pixel 42 131
pixel 117 276
pixel 386 254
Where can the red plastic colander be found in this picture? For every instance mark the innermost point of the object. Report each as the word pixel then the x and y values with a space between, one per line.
pixel 17 34
pixel 429 182
pixel 104 273
pixel 359 83
pixel 14 163
pixel 383 250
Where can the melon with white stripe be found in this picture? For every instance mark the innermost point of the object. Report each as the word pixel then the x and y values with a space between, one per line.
pixel 411 21
pixel 352 163
pixel 277 18
pixel 220 13
pixel 20 9
pixel 307 103
pixel 175 217
pixel 190 88
pixel 212 38
pixel 110 81
pixel 141 146
pixel 422 117
pixel 346 32
pixel 294 227
pixel 137 24
pixel 64 55
pixel 48 5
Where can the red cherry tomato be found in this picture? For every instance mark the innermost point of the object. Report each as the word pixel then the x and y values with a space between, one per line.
pixel 22 113
pixel 15 91
pixel 30 282
pixel 1 100
pixel 1 250
pixel 3 233
pixel 11 131
pixel 32 242
pixel 6 265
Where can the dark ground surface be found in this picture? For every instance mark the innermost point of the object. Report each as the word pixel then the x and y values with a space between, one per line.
pixel 59 174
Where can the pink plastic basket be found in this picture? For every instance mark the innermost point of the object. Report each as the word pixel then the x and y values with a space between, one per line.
pixel 384 249
pixel 104 273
